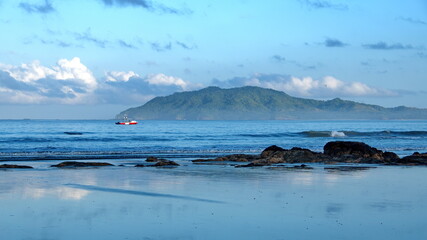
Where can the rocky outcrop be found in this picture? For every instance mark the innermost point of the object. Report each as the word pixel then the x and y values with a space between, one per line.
pixel 347 168
pixel 73 164
pixel 294 167
pixel 294 155
pixel 357 152
pixel 271 155
pixel 165 163
pixel 14 166
pixel 334 152
pixel 159 162
pixel 153 159
pixel 253 164
pixel 230 158
pixel 415 159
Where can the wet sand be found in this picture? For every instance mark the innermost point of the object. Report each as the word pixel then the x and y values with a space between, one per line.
pixel 213 202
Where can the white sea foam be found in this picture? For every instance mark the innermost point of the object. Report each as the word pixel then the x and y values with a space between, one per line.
pixel 338 134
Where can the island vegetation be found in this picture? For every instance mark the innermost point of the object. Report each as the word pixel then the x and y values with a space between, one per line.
pixel 255 103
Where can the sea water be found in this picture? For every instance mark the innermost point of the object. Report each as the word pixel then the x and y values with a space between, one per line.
pixel 48 139
pixel 206 201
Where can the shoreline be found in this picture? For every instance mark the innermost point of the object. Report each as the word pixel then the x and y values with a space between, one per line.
pixel 335 153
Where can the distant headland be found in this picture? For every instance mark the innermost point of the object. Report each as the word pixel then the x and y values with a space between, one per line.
pixel 256 103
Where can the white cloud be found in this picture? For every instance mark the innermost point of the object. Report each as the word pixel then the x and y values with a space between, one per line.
pixel 360 89
pixel 27 72
pixel 332 83
pixel 308 87
pixel 120 76
pixel 69 81
pixel 64 70
pixel 162 79
pixel 75 70
pixel 302 86
pixel 130 88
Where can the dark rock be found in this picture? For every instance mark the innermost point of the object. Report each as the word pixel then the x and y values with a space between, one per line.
pixel 252 165
pixel 164 163
pixel 415 159
pixel 348 168
pixel 14 166
pixel 274 155
pixel 301 155
pixel 355 149
pixel 357 152
pixel 391 157
pixel 73 133
pixel 271 151
pixel 154 159
pixel 210 163
pixel 334 153
pixel 230 158
pixel 296 167
pixel 302 166
pixel 159 162
pixel 202 160
pixel 72 164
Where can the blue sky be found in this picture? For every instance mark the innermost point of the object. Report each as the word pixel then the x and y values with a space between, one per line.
pixel 95 58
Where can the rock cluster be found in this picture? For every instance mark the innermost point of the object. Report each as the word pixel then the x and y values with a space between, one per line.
pixel 414 159
pixel 333 152
pixel 73 164
pixel 13 166
pixel 159 162
pixel 358 152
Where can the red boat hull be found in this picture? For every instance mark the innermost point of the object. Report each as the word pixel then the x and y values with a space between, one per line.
pixel 127 123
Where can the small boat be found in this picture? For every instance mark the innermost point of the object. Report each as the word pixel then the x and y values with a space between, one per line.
pixel 126 121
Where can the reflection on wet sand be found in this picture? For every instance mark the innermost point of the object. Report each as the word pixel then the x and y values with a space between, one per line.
pixel 139 193
pixel 188 203
pixel 60 192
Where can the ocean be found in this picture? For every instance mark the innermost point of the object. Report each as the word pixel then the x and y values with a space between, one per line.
pixel 194 201
pixel 85 139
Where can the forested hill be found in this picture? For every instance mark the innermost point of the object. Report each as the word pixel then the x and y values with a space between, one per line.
pixel 255 103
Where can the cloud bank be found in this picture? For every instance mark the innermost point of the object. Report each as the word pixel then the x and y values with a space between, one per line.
pixel 71 82
pixel 130 88
pixel 68 82
pixel 327 87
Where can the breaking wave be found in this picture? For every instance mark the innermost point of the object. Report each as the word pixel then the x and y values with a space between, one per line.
pixel 364 134
pixel 338 134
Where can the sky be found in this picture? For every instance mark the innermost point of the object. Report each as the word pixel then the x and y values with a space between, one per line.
pixel 91 59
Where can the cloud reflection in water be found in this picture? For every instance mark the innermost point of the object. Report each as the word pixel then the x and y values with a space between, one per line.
pixel 140 193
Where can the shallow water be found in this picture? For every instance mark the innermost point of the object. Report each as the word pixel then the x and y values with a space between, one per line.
pixel 213 202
